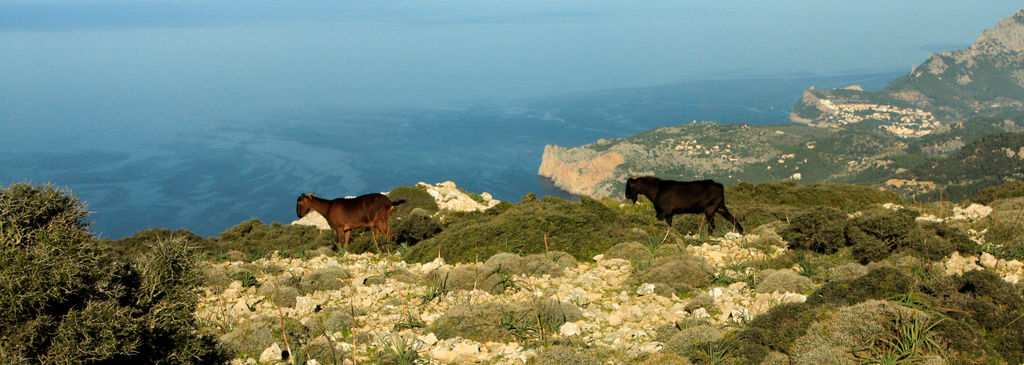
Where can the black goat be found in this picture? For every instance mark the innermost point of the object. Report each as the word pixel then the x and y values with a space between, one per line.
pixel 675 197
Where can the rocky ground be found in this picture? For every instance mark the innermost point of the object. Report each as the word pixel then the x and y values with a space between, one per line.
pixel 373 308
pixel 390 303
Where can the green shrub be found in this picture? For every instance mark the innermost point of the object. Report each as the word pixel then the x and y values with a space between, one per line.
pixel 65 297
pixel 414 227
pixel 29 214
pixel 776 330
pixel 875 235
pixel 415 198
pixel 407 230
pixel 332 319
pixel 247 277
pixel 135 244
pixel 940 240
pixel 819 230
pixel 669 249
pixel 662 358
pixel 582 229
pixel 215 278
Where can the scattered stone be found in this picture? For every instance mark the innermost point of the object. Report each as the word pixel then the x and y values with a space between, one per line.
pixel 569 329
pixel 988 261
pixel 271 354
pixel 645 289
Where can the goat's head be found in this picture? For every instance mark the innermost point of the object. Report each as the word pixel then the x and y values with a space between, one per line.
pixel 632 188
pixel 302 205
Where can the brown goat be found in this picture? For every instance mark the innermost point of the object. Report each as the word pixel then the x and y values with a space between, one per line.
pixel 344 215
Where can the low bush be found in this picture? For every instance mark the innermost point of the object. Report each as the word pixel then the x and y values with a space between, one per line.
pixel 531 265
pixel 681 272
pixel 479 322
pixel 867 331
pixel 280 292
pixel 881 283
pixel 525 321
pixel 633 251
pixel 251 337
pixel 562 355
pixel 784 280
pixel 484 277
pixel 687 342
pixel 329 278
pixel 700 301
pixel 847 271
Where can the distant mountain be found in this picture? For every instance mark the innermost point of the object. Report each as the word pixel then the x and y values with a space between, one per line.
pixel 987 78
pixel 907 137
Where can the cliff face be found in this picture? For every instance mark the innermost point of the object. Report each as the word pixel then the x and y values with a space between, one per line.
pixel 693 151
pixel 580 171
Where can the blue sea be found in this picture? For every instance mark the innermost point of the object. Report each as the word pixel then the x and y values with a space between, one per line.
pixel 216 170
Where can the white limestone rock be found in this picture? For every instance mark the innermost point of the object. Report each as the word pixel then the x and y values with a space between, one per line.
pixel 271 354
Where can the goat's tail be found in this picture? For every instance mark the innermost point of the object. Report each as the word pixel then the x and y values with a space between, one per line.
pixel 397 202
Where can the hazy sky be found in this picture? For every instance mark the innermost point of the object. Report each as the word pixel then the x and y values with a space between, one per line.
pixel 162 64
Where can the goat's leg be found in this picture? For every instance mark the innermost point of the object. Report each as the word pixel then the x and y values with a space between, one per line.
pixel 341 235
pixel 348 234
pixel 668 220
pixel 709 216
pixel 725 213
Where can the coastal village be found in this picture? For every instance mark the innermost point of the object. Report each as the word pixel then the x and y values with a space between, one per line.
pixel 903 122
